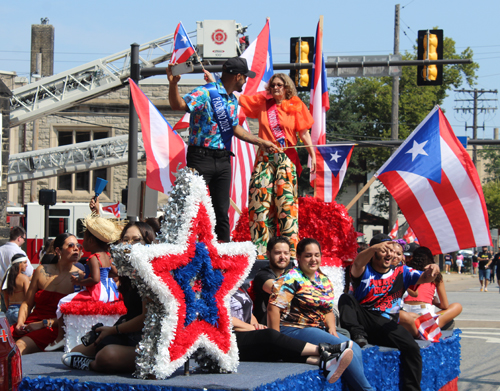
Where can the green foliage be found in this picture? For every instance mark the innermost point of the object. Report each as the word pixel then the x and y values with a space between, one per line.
pixel 491 160
pixel 491 192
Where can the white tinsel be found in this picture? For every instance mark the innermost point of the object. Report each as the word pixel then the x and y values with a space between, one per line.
pixel 76 326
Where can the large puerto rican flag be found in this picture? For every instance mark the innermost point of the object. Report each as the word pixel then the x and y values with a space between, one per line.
pixel 183 48
pixel 432 178
pixel 165 149
pixel 260 60
pixel 335 160
pixel 319 105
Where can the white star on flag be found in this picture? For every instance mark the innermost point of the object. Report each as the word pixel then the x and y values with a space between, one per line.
pixel 417 149
pixel 335 156
pixel 184 39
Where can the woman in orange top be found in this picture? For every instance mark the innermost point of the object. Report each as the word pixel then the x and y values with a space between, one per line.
pixel 273 186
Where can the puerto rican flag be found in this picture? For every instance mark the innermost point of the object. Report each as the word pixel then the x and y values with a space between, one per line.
pixel 183 48
pixel 394 232
pixel 320 104
pixel 115 209
pixel 428 328
pixel 165 149
pixel 410 236
pixel 260 60
pixel 335 160
pixel 432 178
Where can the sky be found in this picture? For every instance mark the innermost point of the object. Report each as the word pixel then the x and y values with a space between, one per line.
pixel 95 29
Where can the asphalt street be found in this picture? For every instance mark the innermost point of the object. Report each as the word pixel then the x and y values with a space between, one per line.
pixel 480 325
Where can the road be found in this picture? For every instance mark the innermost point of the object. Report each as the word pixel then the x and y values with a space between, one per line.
pixel 480 324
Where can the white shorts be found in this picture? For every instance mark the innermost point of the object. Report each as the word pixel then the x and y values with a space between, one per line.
pixel 459 263
pixel 420 309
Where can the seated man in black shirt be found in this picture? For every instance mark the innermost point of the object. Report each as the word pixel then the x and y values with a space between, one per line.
pixel 278 253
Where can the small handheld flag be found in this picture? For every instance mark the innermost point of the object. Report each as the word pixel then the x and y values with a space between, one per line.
pixel 183 48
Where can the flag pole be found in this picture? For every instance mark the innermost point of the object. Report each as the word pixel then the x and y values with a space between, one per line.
pixel 233 204
pixel 319 145
pixel 361 192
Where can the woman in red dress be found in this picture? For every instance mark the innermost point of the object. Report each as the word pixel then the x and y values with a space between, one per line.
pixel 35 330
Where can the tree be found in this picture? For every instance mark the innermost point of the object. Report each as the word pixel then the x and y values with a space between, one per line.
pixel 491 192
pixel 491 160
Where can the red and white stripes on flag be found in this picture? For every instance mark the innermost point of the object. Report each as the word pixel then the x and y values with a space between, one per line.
pixel 165 149
pixel 432 178
pixel 428 328
pixel 319 105
pixel 259 59
pixel 394 231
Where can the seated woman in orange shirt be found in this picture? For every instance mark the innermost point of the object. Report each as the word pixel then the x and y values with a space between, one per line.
pixel 273 186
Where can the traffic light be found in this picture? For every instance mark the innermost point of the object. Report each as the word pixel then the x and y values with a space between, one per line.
pixel 301 51
pixel 430 47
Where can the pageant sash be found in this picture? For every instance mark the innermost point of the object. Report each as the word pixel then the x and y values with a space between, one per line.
pixel 279 134
pixel 221 115
pixel 274 122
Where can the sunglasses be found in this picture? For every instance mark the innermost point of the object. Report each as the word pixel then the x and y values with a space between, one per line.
pixel 73 245
pixel 279 85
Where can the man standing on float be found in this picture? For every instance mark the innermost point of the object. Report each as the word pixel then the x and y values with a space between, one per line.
pixel 213 121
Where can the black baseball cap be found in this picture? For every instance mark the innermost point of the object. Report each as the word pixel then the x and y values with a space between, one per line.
pixel 238 65
pixel 410 248
pixel 379 238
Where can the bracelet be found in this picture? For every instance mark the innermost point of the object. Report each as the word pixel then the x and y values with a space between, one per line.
pixel 117 331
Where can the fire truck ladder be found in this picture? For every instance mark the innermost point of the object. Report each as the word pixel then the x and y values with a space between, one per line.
pixel 44 163
pixel 55 93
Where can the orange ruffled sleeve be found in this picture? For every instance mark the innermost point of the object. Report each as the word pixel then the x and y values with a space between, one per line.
pixel 252 105
pixel 303 117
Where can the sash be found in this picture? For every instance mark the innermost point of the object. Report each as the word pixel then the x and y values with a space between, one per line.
pixel 221 115
pixel 279 134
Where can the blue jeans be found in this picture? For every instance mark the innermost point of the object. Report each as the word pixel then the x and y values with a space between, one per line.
pixel 12 313
pixel 354 374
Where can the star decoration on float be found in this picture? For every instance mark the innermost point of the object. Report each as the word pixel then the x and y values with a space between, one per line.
pixel 417 149
pixel 194 279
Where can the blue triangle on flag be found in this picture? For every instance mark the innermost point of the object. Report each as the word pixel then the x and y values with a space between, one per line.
pixel 335 156
pixel 421 155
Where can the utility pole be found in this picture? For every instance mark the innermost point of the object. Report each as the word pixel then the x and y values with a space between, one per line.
pixel 393 206
pixel 475 98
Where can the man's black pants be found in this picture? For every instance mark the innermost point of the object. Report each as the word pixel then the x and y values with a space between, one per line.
pixel 216 171
pixel 383 332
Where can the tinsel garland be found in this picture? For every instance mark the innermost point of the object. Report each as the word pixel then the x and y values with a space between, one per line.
pixel 327 222
pixel 94 308
pixel 182 318
pixel 441 368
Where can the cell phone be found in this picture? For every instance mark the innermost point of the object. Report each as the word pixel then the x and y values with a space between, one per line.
pixel 180 69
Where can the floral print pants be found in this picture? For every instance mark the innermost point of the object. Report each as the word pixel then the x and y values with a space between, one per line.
pixel 273 200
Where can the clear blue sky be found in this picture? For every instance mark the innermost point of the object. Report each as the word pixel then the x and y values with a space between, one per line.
pixel 85 31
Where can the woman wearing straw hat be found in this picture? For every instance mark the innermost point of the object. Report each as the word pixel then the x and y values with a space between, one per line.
pixel 97 285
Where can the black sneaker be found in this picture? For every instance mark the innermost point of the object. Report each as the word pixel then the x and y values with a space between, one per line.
pixel 77 361
pixel 335 349
pixel 360 340
pixel 333 365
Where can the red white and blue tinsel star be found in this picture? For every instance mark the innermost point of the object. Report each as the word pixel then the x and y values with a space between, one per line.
pixel 194 279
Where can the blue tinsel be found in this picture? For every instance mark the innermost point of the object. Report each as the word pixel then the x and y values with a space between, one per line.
pixel 200 267
pixel 441 364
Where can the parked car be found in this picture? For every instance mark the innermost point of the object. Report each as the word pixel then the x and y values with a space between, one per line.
pixel 11 370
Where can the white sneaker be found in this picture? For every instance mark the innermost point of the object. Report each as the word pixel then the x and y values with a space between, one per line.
pixel 335 364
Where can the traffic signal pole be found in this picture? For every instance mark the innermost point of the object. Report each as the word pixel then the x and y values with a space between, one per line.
pixel 393 206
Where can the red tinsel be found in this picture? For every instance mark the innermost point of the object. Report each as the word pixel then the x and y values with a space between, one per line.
pixel 232 268
pixel 327 222
pixel 93 308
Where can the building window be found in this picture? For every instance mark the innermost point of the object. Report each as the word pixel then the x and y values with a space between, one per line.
pixel 81 181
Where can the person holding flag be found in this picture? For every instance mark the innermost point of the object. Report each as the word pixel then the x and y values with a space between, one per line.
pixel 273 186
pixel 212 124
